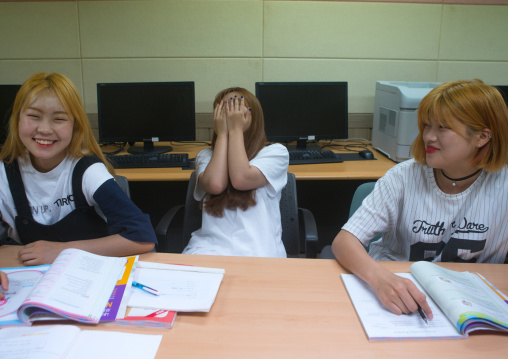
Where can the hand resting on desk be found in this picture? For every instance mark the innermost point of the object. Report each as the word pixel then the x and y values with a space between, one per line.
pixel 399 295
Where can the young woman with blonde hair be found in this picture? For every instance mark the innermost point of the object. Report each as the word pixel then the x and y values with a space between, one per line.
pixel 54 180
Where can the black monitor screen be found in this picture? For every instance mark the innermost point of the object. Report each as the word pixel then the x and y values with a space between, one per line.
pixel 7 96
pixel 304 111
pixel 146 112
pixel 504 92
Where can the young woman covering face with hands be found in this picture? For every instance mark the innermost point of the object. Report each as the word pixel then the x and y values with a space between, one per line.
pixel 446 204
pixel 239 182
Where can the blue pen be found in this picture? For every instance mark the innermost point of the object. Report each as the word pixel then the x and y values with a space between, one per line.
pixel 145 288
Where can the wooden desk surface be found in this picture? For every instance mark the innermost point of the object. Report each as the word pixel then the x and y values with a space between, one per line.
pixel 294 308
pixel 348 170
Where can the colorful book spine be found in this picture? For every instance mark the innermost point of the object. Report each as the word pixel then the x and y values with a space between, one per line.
pixel 117 303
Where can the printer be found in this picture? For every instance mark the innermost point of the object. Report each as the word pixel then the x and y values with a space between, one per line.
pixel 395 124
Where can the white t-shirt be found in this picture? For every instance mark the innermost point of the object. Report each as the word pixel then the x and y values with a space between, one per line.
pixel 49 194
pixel 256 231
pixel 413 214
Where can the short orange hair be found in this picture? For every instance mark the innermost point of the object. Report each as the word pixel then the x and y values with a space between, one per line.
pixel 476 105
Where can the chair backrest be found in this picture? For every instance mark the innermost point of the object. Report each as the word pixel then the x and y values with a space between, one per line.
pixel 288 209
pixel 289 217
pixel 124 184
pixel 192 212
pixel 361 192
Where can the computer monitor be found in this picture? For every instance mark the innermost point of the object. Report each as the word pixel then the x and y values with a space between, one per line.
pixel 504 92
pixel 304 111
pixel 7 96
pixel 146 112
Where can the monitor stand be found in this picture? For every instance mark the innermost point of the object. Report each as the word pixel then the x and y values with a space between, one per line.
pixel 303 145
pixel 149 148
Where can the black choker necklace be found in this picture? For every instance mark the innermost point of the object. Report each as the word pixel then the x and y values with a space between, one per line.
pixel 462 178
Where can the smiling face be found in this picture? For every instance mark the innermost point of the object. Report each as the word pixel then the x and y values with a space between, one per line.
pixel 451 150
pixel 45 129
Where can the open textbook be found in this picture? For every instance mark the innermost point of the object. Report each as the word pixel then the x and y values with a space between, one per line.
pixel 460 301
pixel 182 288
pixel 69 341
pixel 76 286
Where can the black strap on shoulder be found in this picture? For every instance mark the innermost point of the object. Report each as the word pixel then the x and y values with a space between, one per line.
pixel 17 189
pixel 77 179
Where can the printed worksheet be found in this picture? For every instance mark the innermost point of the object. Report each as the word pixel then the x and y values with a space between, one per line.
pixel 381 324
pixel 181 289
pixel 68 341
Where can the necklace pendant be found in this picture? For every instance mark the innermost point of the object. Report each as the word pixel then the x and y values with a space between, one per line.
pixel 453 184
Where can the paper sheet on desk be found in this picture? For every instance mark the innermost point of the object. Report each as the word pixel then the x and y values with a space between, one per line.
pixel 182 288
pixel 381 324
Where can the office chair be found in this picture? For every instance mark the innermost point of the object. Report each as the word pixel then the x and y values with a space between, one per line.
pixel 361 192
pixel 3 231
pixel 124 184
pixel 299 229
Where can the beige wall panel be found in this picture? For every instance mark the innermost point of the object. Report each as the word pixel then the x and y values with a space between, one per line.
pixel 39 30
pixel 351 30
pixel 474 33
pixel 360 133
pixel 210 75
pixel 361 75
pixel 171 28
pixel 17 71
pixel 493 73
pixel 203 134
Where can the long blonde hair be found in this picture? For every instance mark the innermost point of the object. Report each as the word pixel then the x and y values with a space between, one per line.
pixel 83 141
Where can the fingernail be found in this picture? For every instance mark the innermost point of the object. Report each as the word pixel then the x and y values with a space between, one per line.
pixel 236 96
pixel 241 97
pixel 250 109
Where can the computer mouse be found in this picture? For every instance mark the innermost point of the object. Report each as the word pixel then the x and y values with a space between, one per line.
pixel 368 155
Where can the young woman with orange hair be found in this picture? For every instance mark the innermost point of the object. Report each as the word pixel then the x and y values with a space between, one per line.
pixel 446 204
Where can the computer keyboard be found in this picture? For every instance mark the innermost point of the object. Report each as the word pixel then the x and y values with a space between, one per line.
pixel 300 157
pixel 150 160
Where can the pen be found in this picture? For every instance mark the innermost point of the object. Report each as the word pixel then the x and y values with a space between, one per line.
pixel 422 314
pixel 145 288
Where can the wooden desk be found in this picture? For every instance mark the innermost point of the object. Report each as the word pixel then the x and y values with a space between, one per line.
pixel 294 308
pixel 348 170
